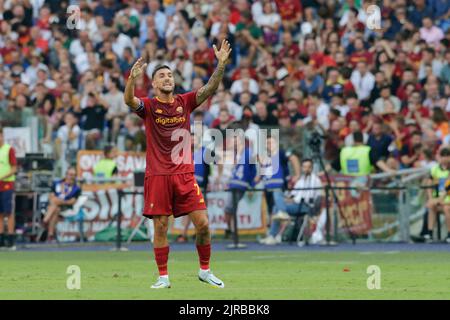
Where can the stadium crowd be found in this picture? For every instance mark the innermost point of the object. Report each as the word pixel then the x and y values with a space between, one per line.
pixel 296 65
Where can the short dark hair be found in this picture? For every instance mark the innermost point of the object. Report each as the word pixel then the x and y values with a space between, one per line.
pixel 336 112
pixel 358 137
pixel 307 160
pixel 445 152
pixel 107 149
pixel 159 67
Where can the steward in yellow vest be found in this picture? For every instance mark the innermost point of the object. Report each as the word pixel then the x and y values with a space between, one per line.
pixel 106 167
pixel 8 169
pixel 359 159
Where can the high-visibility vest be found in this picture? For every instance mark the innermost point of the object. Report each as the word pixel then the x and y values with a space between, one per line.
pixel 104 168
pixel 5 166
pixel 355 160
pixel 440 175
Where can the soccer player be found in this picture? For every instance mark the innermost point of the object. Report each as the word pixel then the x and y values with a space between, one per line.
pixel 170 187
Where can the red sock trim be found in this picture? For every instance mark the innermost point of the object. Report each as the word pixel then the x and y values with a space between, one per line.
pixel 161 258
pixel 204 255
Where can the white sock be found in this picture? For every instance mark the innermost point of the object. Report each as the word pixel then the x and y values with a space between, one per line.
pixel 204 270
pixel 165 277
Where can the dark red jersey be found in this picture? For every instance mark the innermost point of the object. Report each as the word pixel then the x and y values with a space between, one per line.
pixel 167 128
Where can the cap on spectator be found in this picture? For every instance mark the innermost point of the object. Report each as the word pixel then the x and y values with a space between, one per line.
pixel 282 73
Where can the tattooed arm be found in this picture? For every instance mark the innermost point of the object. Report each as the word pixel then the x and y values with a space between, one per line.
pixel 208 90
pixel 129 98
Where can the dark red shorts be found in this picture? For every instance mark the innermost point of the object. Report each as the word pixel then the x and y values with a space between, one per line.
pixel 176 195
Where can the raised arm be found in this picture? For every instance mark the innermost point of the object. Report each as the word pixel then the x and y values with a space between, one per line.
pixel 129 98
pixel 208 89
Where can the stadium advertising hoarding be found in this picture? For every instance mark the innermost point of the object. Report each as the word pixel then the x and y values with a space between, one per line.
pixel 103 203
pixel 19 138
pixel 356 205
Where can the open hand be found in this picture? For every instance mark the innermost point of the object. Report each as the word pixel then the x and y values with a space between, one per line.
pixel 223 54
pixel 138 68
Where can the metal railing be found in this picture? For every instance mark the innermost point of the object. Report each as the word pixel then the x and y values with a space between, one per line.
pixel 393 208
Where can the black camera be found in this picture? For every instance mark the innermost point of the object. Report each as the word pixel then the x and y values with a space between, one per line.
pixel 315 141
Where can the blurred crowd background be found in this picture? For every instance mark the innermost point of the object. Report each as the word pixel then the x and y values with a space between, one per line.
pixel 296 65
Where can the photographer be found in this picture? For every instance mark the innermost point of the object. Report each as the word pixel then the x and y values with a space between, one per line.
pixel 299 202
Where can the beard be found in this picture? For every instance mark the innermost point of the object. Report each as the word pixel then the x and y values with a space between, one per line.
pixel 166 91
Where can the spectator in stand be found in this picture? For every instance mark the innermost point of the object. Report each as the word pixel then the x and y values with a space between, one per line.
pixel 387 103
pixel 430 33
pixel 379 141
pixel 269 21
pixel 430 61
pixel 363 81
pixel 312 82
pixel 354 126
pixel 410 154
pixel 248 36
pixel 117 110
pixel 69 136
pixel 203 59
pixel 94 122
pixel 291 14
pixel 293 113
pixel 262 117
pixel 134 135
pixel 333 85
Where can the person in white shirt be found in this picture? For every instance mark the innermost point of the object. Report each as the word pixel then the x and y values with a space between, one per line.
pixel 299 202
pixel 363 81
pixel 245 83
pixel 117 109
pixel 225 98
pixel 68 135
pixel 354 127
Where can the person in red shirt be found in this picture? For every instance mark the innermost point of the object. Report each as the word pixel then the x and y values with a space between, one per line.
pixel 355 112
pixel 289 51
pixel 360 53
pixel 170 187
pixel 8 169
pixel 203 58
pixel 290 12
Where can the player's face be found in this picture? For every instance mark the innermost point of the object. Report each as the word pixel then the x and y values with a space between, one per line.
pixel 163 81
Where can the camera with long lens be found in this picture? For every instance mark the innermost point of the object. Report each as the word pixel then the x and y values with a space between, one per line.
pixel 315 141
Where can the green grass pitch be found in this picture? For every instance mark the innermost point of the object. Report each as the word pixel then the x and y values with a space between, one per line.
pixel 247 275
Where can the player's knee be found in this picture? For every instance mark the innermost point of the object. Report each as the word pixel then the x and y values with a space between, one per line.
pixel 161 226
pixel 202 227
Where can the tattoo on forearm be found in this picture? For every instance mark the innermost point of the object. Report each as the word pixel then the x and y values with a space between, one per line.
pixel 213 83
